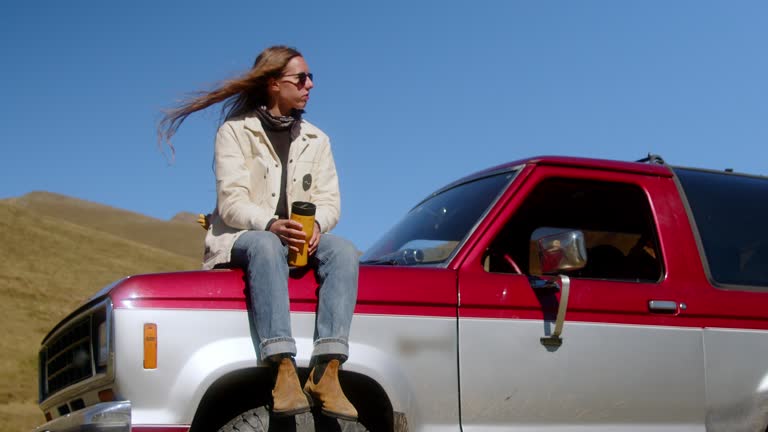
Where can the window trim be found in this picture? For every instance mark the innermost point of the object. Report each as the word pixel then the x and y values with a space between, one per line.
pixel 652 223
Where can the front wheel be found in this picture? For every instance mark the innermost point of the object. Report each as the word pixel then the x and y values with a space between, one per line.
pixel 260 420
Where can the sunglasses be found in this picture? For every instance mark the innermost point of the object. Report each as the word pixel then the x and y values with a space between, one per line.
pixel 302 76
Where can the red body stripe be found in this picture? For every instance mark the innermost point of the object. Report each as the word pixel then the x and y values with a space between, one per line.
pixel 432 292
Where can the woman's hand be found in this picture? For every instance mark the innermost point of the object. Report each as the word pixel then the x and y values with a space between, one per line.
pixel 315 240
pixel 290 233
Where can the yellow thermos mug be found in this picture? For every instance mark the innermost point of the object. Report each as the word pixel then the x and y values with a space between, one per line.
pixel 303 213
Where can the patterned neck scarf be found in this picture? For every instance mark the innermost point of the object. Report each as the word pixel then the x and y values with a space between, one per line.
pixel 277 123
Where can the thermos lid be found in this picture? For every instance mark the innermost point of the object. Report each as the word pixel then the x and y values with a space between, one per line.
pixel 303 208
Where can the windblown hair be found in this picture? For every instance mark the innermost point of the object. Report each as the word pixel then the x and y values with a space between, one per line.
pixel 239 95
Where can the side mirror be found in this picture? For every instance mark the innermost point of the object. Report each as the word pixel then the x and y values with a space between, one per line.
pixel 561 252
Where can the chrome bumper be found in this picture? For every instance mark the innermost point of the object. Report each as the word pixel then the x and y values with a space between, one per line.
pixel 103 417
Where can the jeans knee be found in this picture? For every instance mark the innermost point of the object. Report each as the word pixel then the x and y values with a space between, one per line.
pixel 348 252
pixel 264 245
pixel 341 249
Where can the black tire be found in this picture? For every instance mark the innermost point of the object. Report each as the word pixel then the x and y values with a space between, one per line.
pixel 259 420
pixel 255 420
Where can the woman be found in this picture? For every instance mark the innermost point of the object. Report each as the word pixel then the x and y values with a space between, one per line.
pixel 267 157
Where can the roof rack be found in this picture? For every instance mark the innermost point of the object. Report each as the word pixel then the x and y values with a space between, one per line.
pixel 652 159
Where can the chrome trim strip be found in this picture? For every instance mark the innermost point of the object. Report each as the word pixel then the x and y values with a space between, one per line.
pixel 108 416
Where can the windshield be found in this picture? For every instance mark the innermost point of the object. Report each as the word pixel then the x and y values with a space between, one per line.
pixel 432 230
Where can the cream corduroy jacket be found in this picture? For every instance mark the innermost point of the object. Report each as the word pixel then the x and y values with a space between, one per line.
pixel 248 173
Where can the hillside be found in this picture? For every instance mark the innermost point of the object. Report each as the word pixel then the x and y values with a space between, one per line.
pixel 180 235
pixel 51 265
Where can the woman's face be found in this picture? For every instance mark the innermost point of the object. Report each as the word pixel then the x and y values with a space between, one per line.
pixel 291 90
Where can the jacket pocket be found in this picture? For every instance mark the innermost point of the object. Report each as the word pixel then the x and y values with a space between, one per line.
pixel 302 180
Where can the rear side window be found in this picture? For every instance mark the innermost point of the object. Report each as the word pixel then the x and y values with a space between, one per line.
pixel 731 212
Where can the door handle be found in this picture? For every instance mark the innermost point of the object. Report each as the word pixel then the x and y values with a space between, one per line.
pixel 665 306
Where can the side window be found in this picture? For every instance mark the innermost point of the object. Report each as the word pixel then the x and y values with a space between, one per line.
pixel 730 212
pixel 615 218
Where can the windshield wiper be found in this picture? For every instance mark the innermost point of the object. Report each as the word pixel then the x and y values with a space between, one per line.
pixel 401 257
pixel 380 261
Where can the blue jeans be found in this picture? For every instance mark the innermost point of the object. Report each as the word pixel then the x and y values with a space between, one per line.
pixel 265 261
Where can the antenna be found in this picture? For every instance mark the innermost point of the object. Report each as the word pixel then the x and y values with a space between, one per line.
pixel 652 159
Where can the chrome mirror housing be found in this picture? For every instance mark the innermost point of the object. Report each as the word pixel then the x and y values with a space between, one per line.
pixel 561 252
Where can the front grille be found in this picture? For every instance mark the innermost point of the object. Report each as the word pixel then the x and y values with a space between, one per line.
pixel 70 359
pixel 67 357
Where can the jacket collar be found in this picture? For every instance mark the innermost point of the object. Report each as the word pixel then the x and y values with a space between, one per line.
pixel 300 128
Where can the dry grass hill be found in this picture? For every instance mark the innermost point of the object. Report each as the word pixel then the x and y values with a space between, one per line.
pixel 181 235
pixel 56 252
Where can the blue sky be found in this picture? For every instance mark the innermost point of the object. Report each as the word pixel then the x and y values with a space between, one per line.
pixel 413 94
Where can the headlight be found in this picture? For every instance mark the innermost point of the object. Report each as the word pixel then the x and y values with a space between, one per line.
pixel 100 338
pixel 103 349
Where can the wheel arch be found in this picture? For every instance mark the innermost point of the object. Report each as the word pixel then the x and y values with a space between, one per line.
pixel 244 389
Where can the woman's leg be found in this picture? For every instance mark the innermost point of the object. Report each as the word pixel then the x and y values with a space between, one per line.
pixel 337 270
pixel 264 259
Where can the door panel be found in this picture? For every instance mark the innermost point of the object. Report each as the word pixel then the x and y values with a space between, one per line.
pixel 608 373
pixel 622 365
pixel 737 379
pixel 604 375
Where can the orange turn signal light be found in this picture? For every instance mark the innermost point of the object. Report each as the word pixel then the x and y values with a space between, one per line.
pixel 106 395
pixel 150 346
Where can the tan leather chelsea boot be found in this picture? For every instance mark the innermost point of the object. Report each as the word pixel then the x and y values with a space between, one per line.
pixel 327 391
pixel 287 397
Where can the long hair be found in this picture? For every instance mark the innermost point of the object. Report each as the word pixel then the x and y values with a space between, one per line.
pixel 239 95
